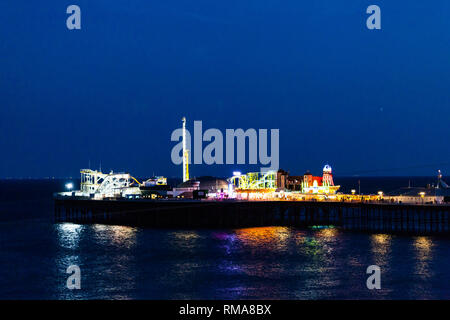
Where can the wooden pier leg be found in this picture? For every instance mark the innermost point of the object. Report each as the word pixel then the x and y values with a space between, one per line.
pixel 407 219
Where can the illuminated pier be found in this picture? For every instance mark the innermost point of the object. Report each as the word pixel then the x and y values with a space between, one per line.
pixel 258 201
pixel 272 198
pixel 251 200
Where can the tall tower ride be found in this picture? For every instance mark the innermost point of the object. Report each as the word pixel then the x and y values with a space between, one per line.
pixel 185 154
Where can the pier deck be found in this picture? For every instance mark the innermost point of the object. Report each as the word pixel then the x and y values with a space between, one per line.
pixel 370 217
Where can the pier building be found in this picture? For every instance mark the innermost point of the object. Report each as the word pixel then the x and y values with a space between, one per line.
pixel 203 187
pixel 319 185
pixel 430 195
pixel 307 184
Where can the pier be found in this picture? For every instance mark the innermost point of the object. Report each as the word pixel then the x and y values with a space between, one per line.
pixel 180 213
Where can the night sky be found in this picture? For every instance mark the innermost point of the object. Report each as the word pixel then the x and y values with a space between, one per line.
pixel 373 102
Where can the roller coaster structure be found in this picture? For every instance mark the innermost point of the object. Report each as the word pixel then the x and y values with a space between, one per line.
pixel 97 182
pixel 255 181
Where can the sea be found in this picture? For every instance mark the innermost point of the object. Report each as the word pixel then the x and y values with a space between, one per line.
pixel 119 262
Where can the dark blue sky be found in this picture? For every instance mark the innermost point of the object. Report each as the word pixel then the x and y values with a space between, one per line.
pixel 115 90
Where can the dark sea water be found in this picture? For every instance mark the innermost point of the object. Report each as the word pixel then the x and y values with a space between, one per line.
pixel 119 262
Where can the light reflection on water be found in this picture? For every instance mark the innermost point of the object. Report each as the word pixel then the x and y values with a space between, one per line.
pixel 423 248
pixel 426 279
pixel 381 249
pixel 263 236
pixel 185 237
pixel 286 245
pixel 121 236
pixel 69 234
pixel 113 259
pixel 251 263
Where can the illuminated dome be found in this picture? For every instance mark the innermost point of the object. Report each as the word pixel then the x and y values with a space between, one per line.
pixel 327 168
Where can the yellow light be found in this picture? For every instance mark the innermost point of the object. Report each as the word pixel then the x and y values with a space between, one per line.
pixel 381 238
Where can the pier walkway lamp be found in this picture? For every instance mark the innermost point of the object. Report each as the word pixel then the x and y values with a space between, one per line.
pixel 422 196
pixel 380 194
pixel 69 186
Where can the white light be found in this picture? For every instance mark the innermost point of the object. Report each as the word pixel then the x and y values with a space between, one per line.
pixel 236 173
pixel 69 186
